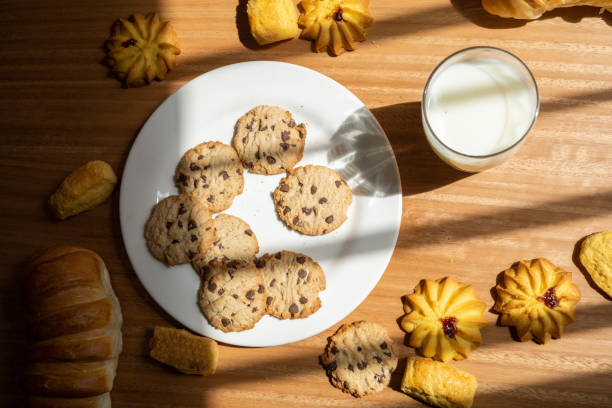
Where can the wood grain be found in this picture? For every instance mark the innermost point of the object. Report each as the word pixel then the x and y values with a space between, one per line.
pixel 59 108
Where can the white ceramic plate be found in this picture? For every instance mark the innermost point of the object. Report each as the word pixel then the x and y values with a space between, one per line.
pixel 342 134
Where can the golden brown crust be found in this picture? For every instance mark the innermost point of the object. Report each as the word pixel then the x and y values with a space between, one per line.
pixel 438 384
pixel 188 353
pixel 272 20
pixel 532 9
pixel 596 257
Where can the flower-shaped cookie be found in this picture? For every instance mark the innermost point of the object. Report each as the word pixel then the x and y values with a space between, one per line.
pixel 444 318
pixel 335 24
pixel 538 299
pixel 141 49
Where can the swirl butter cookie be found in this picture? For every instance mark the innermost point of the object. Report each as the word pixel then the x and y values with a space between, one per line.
pixel 234 240
pixel 232 295
pixel 268 140
pixel 313 200
pixel 293 282
pixel 360 358
pixel 212 172
pixel 179 230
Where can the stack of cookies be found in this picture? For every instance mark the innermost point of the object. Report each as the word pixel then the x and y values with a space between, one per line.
pixel 237 287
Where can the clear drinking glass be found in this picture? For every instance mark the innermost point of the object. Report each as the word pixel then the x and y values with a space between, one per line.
pixel 454 157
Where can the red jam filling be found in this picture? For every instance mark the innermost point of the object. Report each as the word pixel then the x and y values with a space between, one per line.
pixel 128 43
pixel 338 15
pixel 549 298
pixel 448 326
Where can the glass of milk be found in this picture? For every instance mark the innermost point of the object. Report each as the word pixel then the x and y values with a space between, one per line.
pixel 478 106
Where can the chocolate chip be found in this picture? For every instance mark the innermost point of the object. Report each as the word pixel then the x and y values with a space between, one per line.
pixel 224 175
pixel 191 225
pixel 293 309
pixel 212 286
pixel 175 241
pixel 302 273
pixel 233 264
pixel 350 367
pixel 359 348
pixel 183 179
pixel 260 263
pixel 211 199
pixel 313 189
pixel 329 219
pixel 194 167
pixel 262 128
pixel 254 310
pixel 271 160
pixel 383 345
pixel 306 211
pixel 346 385
pixel 300 259
pixel 388 354
pixel 362 365
pixel 190 254
pixel 285 135
pixel 182 209
pixel 285 146
pixel 205 186
pixel 322 200
pixel 250 294
pixel 235 296
pixel 193 238
pixel 296 220
pixel 248 232
pixel 261 289
pixel 284 188
pixel 180 224
pixel 332 366
pixel 286 210
pixel 168 224
pixel 249 126
pixel 269 300
pixel 378 359
pixel 238 171
pixel 200 157
pixel 195 183
pixel 334 350
pixel 338 183
pixel 257 156
pixel 249 165
pixel 221 291
pixel 244 140
pixel 225 322
pixel 272 282
pixel 291 123
pixel 303 300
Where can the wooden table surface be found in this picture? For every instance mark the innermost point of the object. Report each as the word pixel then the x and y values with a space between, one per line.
pixel 59 108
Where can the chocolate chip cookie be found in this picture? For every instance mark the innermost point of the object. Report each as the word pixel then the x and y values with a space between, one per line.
pixel 212 172
pixel 232 295
pixel 268 140
pixel 360 358
pixel 234 240
pixel 313 200
pixel 179 229
pixel 293 282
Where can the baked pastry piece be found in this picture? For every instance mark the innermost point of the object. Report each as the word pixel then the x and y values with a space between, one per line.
pixel 335 25
pixel 272 20
pixel 444 319
pixel 85 188
pixel 538 299
pixel 438 384
pixel 596 257
pixel 268 140
pixel 293 282
pixel 212 172
pixel 360 358
pixel 313 200
pixel 188 353
pixel 532 9
pixel 141 49
pixel 74 326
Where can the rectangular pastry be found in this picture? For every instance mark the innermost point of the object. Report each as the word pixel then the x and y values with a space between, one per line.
pixel 438 384
pixel 188 353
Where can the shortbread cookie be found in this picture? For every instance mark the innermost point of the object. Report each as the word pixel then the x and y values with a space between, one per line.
pixel 293 282
pixel 313 200
pixel 179 230
pixel 212 172
pixel 444 318
pixel 268 140
pixel 360 358
pixel 596 256
pixel 232 295
pixel 538 299
pixel 234 240
pixel 188 353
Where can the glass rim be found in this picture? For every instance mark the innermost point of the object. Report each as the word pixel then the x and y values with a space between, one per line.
pixel 485 156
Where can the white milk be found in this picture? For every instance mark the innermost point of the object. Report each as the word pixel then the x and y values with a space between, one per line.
pixel 479 106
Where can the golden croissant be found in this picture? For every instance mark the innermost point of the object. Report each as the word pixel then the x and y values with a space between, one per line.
pixel 532 9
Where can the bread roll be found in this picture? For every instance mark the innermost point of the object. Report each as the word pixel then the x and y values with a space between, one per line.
pixel 74 325
pixel 532 9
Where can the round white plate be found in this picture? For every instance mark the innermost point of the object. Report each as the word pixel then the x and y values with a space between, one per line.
pixel 342 134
